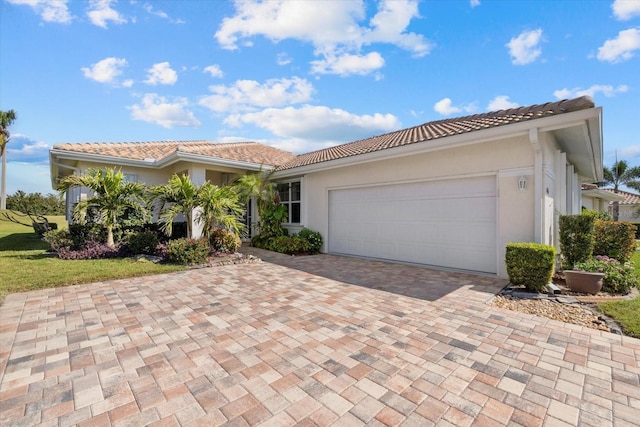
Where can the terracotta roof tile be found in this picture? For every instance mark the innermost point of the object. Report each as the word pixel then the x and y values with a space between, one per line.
pixel 251 152
pixel 629 198
pixel 440 129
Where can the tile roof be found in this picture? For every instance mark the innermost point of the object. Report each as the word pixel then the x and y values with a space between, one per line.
pixel 629 198
pixel 440 129
pixel 251 152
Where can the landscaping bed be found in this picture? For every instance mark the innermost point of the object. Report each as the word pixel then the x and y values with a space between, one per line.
pixel 567 306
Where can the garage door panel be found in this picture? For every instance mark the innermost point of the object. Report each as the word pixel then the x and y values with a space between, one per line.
pixel 445 223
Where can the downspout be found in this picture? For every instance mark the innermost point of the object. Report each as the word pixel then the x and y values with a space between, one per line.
pixel 538 185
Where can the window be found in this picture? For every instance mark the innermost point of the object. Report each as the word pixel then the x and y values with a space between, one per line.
pixel 130 177
pixel 291 196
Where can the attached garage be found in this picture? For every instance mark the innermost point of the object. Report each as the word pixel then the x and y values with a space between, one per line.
pixel 446 223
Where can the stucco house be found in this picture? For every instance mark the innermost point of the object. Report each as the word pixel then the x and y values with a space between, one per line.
pixel 598 199
pixel 449 193
pixel 628 206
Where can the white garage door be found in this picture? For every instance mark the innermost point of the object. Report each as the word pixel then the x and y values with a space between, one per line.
pixel 450 223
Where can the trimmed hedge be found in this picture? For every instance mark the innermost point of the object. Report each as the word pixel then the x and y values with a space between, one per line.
pixel 530 265
pixel 576 238
pixel 188 251
pixel 614 239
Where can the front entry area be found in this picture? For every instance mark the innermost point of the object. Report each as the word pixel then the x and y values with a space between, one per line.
pixel 446 223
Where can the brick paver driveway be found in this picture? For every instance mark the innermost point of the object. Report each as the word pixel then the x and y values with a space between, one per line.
pixel 363 343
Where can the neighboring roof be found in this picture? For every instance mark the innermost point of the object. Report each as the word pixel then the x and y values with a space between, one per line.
pixel 440 129
pixel 629 198
pixel 592 190
pixel 250 152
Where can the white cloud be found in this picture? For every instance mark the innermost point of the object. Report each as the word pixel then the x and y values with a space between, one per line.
pixel 335 29
pixel 626 9
pixel 247 94
pixel 100 13
pixel 159 110
pixel 49 10
pixel 501 102
pixel 214 71
pixel 161 14
pixel 107 71
pixel 283 59
pixel 161 74
pixel 348 64
pixel 606 90
pixel 474 3
pixel 22 148
pixel 317 124
pixel 524 48
pixel 621 48
pixel 630 151
pixel 445 107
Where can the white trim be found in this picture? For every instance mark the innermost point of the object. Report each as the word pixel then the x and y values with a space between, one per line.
pixel 412 181
pixel 559 121
pixel 503 173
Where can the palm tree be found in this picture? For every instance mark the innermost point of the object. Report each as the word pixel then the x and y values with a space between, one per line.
pixel 112 196
pixel 258 185
pixel 6 119
pixel 221 206
pixel 178 196
pixel 621 174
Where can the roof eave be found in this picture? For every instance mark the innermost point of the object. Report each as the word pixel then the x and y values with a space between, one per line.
pixel 602 194
pixel 559 121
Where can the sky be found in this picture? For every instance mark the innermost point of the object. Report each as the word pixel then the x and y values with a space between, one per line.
pixel 302 75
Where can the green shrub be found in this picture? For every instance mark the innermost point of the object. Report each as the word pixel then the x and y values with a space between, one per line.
pixel 81 234
pixel 604 216
pixel 187 251
pixel 143 242
pixel 290 245
pixel 619 277
pixel 57 239
pixel 576 238
pixel 314 238
pixel 530 265
pixel 223 240
pixel 614 239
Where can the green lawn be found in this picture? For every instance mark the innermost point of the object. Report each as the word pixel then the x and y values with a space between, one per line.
pixel 626 313
pixel 25 265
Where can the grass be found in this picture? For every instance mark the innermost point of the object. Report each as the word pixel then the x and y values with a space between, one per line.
pixel 627 312
pixel 25 264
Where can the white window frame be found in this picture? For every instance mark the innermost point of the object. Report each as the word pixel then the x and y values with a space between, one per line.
pixel 289 202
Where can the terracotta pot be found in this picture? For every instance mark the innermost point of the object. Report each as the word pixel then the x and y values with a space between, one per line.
pixel 583 282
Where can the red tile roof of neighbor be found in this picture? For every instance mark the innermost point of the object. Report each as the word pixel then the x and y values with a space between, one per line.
pixel 440 129
pixel 251 152
pixel 629 198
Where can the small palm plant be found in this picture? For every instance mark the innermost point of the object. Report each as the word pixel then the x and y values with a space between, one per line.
pixel 207 204
pixel 112 196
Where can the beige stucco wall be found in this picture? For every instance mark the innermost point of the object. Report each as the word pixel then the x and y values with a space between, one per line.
pixel 506 159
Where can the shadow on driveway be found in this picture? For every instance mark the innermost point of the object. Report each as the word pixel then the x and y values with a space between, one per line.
pixel 407 280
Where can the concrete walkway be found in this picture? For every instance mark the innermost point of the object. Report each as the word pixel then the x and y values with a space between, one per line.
pixel 321 340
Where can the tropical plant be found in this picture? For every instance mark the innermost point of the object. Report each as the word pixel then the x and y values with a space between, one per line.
pixel 621 174
pixel 112 197
pixel 178 197
pixel 258 185
pixel 6 119
pixel 206 204
pixel 220 207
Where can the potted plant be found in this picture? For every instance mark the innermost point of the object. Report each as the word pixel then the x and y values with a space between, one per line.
pixel 587 276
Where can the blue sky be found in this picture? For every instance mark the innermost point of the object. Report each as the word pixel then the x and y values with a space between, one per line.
pixel 301 75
